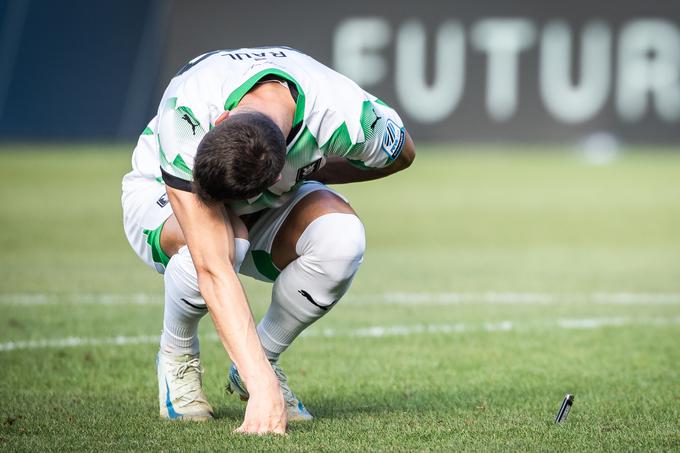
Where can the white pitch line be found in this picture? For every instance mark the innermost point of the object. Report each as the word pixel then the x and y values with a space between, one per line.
pixel 517 298
pixel 388 298
pixel 69 342
pixel 592 323
pixel 363 332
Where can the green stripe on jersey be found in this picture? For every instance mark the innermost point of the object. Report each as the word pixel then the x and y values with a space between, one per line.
pixel 340 143
pixel 381 102
pixel 302 148
pixel 177 167
pixel 147 131
pixel 180 164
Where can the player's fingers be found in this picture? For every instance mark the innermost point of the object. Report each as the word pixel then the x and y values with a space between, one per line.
pixel 245 428
pixel 280 430
pixel 271 428
pixel 260 430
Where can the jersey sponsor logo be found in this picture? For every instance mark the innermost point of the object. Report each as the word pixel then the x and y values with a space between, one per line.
pixel 393 139
pixel 163 200
pixel 308 170
pixel 187 118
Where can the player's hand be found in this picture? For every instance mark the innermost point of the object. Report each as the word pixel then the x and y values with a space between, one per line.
pixel 265 412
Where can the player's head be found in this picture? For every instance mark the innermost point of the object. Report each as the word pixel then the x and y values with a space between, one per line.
pixel 239 158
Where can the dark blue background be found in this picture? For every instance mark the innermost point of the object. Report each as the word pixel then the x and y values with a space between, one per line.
pixel 72 68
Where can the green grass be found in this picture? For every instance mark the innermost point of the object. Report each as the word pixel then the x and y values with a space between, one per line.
pixel 459 221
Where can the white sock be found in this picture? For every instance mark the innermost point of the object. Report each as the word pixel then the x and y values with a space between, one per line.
pixel 330 251
pixel 184 305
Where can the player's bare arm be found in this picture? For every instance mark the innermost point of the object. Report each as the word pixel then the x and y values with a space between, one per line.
pixel 339 171
pixel 209 236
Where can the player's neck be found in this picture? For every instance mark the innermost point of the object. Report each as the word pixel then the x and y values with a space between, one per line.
pixel 273 100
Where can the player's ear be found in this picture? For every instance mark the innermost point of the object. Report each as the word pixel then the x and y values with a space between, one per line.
pixel 222 117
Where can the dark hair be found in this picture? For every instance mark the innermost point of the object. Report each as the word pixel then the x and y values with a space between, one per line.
pixel 239 158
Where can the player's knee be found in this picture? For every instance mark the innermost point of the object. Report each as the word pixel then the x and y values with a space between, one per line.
pixel 181 273
pixel 181 285
pixel 333 245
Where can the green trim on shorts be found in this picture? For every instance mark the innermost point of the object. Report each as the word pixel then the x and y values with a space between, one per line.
pixel 264 264
pixel 153 238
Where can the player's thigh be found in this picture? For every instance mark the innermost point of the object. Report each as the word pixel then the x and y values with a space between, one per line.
pixel 145 211
pixel 310 208
pixel 152 229
pixel 296 215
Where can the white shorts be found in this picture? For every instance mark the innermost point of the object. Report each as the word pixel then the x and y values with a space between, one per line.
pixel 146 208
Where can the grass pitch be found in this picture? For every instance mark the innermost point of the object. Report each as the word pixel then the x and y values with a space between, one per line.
pixel 494 283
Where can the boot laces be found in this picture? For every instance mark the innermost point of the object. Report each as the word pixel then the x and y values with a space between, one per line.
pixel 288 394
pixel 189 389
pixel 193 364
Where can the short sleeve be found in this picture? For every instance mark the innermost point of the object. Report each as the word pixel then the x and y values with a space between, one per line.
pixel 384 136
pixel 179 133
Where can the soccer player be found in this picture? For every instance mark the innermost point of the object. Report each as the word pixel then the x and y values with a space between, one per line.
pixel 230 176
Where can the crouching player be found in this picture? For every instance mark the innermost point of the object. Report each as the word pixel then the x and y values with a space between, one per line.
pixel 230 176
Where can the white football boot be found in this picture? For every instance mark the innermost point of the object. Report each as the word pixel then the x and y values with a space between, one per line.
pixel 180 390
pixel 294 407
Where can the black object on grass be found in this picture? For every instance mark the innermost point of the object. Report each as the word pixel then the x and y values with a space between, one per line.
pixel 564 408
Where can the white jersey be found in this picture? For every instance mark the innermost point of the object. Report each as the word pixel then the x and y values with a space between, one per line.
pixel 333 117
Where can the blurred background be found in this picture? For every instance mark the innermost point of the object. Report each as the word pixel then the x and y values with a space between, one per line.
pixel 525 71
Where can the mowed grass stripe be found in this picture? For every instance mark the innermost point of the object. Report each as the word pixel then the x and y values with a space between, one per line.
pixel 396 298
pixel 451 244
pixel 364 332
